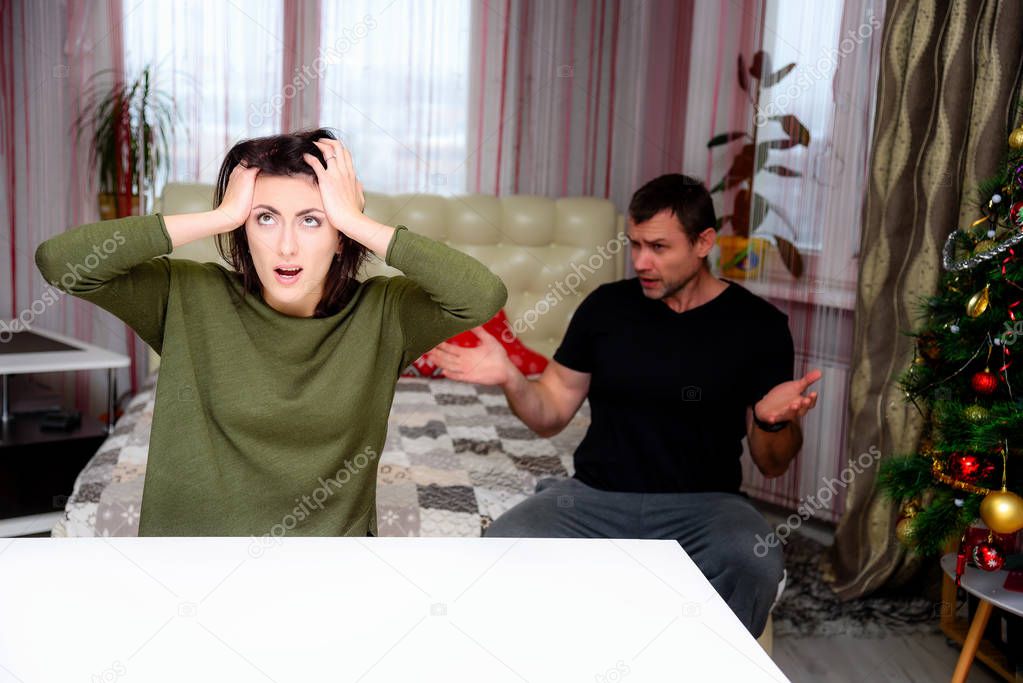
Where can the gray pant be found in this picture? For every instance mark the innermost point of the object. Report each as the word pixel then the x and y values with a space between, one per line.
pixel 717 530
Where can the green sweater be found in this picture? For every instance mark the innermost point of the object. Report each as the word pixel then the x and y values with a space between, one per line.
pixel 265 423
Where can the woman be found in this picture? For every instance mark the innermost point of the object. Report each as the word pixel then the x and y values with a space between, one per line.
pixel 276 378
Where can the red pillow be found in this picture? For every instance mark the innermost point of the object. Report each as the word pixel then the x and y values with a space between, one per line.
pixel 528 362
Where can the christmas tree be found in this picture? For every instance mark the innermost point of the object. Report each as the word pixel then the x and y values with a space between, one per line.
pixel 967 380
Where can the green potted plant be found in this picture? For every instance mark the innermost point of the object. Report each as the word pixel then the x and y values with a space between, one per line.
pixel 742 252
pixel 129 124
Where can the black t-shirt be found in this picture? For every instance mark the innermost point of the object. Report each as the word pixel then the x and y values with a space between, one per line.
pixel 669 391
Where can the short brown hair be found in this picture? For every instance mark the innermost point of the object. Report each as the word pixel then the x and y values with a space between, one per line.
pixel 686 197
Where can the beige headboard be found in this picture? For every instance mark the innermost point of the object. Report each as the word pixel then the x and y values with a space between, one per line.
pixel 550 252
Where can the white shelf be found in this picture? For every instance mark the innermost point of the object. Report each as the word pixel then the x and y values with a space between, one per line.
pixel 29 524
pixel 87 357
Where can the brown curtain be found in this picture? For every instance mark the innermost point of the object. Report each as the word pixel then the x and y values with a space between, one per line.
pixel 951 77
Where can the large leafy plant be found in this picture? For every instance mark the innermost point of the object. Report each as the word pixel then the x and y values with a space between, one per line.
pixel 749 208
pixel 129 125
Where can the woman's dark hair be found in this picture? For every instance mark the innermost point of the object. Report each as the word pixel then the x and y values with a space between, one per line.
pixel 685 197
pixel 281 155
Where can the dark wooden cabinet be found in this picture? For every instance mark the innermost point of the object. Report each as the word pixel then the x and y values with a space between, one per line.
pixel 38 468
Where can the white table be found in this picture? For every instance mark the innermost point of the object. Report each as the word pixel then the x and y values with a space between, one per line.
pixel 989 587
pixel 84 357
pixel 374 609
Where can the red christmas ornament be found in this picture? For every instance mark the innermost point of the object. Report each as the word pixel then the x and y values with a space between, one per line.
pixel 969 468
pixel 1016 213
pixel 968 465
pixel 988 556
pixel 985 382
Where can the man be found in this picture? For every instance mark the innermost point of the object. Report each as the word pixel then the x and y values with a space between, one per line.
pixel 678 367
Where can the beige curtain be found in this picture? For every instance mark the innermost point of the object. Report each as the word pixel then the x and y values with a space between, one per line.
pixel 951 78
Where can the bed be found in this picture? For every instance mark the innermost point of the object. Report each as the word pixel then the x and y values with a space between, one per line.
pixel 455 457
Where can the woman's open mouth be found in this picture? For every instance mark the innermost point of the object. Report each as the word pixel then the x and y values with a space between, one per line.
pixel 287 276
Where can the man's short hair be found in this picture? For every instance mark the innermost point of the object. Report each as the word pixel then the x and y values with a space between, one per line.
pixel 687 198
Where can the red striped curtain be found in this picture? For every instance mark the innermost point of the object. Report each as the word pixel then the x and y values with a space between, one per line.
pixel 49 51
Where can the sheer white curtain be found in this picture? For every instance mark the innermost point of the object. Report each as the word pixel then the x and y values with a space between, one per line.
pixel 395 86
pixel 579 98
pixel 221 62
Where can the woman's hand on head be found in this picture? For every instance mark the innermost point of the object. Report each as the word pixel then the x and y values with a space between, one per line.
pixel 237 202
pixel 340 189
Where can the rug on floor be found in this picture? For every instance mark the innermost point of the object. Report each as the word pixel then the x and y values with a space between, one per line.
pixel 809 607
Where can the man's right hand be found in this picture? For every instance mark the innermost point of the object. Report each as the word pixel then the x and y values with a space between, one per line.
pixel 487 363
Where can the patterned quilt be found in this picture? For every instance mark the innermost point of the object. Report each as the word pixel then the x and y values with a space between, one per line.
pixel 455 459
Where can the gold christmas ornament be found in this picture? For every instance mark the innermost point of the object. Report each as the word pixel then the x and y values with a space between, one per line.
pixel 1016 138
pixel 904 530
pixel 978 303
pixel 1002 511
pixel 984 245
pixel 975 413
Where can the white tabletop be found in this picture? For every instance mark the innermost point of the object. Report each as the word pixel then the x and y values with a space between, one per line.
pixel 87 357
pixel 375 609
pixel 986 585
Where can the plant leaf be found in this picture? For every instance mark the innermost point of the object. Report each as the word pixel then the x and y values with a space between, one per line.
pixel 762 149
pixel 759 211
pixel 796 131
pixel 741 168
pixel 783 171
pixel 778 75
pixel 724 137
pixel 790 256
pixel 761 64
pixel 743 80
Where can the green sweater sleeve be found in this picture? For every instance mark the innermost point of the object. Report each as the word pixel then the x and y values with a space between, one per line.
pixel 114 265
pixel 446 291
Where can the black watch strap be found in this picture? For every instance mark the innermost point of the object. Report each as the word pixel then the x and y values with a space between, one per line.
pixel 768 427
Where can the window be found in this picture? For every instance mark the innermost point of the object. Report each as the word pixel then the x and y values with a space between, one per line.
pixel 831 91
pixel 396 88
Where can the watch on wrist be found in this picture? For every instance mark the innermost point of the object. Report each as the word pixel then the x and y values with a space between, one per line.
pixel 767 426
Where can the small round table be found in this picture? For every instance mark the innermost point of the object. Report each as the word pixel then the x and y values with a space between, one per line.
pixel 987 586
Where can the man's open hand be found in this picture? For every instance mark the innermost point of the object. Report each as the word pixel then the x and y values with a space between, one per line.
pixel 788 400
pixel 484 364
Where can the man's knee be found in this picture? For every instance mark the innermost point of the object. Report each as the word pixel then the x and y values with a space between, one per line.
pixel 510 525
pixel 739 552
pixel 762 571
pixel 534 517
